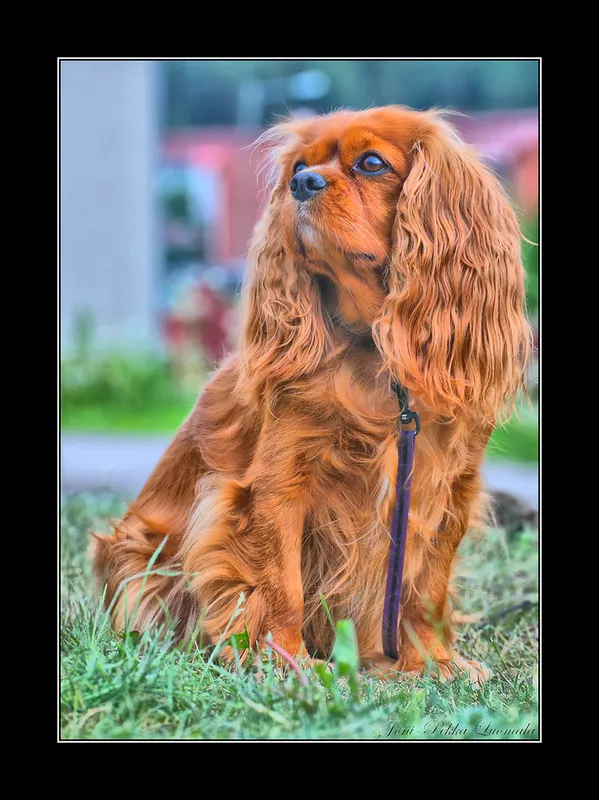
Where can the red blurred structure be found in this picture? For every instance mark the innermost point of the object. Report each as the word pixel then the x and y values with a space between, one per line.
pixel 225 154
pixel 510 140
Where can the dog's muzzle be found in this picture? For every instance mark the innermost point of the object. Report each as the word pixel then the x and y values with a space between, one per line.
pixel 305 185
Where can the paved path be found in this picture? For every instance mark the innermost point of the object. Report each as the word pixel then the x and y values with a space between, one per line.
pixel 123 463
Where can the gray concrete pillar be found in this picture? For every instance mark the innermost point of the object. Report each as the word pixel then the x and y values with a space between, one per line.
pixel 110 245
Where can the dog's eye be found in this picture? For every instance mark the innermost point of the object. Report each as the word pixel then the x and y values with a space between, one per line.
pixel 299 165
pixel 370 163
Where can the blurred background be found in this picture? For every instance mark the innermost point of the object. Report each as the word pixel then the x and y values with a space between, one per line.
pixel 158 198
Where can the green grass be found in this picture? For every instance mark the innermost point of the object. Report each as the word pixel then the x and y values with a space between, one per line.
pixel 116 419
pixel 137 687
pixel 518 439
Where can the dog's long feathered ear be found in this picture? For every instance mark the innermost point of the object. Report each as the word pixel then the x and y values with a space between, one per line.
pixel 283 329
pixel 453 328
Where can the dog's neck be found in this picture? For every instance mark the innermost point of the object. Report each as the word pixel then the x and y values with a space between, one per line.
pixel 336 301
pixel 351 285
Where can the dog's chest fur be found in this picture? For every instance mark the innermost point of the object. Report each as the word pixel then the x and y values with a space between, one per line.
pixel 352 490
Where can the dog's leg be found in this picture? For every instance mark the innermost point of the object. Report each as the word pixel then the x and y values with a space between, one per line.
pixel 246 536
pixel 426 634
pixel 242 540
pixel 426 637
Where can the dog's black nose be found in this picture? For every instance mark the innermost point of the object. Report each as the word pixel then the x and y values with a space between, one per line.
pixel 305 184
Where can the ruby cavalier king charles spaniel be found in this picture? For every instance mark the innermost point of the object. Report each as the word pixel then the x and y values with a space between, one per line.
pixel 386 251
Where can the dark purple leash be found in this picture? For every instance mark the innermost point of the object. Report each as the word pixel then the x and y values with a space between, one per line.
pixel 399 525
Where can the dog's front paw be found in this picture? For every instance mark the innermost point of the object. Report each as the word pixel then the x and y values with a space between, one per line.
pixel 476 672
pixel 386 668
pixel 379 665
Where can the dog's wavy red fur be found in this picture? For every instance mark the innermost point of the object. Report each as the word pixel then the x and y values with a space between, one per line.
pixel 280 483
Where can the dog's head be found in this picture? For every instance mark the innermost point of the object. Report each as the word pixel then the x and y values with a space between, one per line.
pixel 420 242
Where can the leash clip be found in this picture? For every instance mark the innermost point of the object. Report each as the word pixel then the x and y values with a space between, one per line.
pixel 407 415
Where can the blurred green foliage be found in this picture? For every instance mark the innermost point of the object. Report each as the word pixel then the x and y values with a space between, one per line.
pixel 177 206
pixel 517 439
pixel 103 386
pixel 132 382
pixel 207 92
pixel 118 378
pixel 530 258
